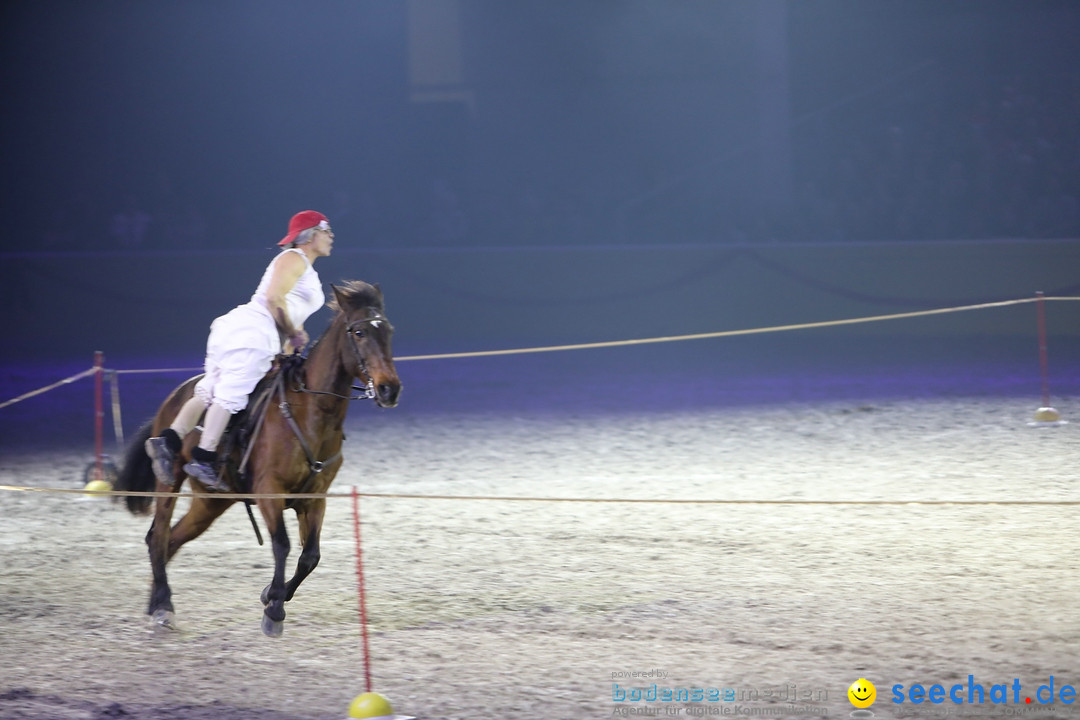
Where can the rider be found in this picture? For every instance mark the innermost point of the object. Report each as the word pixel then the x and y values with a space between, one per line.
pixel 242 346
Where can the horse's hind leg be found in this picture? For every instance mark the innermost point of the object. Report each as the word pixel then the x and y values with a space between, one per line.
pixel 164 545
pixel 157 543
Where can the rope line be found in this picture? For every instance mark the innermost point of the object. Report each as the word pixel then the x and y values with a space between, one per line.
pixel 733 333
pixel 157 370
pixel 519 498
pixel 618 343
pixel 694 336
pixel 39 391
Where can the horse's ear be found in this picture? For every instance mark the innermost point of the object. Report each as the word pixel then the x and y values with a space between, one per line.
pixel 339 299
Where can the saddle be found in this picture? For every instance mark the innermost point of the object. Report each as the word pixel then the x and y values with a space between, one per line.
pixel 243 427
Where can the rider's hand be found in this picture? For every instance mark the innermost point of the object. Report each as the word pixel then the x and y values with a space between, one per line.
pixel 298 340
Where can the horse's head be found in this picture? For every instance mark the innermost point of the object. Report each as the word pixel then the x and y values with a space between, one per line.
pixel 366 352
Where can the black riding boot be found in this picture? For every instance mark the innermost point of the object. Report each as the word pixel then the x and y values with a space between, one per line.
pixel 203 467
pixel 163 451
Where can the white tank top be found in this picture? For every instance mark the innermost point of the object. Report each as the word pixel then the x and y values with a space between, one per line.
pixel 305 297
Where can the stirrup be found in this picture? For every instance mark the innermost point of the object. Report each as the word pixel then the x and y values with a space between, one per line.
pixel 162 460
pixel 207 475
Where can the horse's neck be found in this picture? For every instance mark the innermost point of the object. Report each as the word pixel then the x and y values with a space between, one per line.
pixel 323 369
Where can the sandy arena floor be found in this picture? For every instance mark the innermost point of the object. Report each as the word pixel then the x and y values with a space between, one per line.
pixel 541 609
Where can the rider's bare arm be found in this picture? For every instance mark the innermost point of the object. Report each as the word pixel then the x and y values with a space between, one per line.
pixel 287 270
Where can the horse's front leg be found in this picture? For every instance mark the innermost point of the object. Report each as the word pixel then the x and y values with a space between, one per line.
pixel 311 520
pixel 273 596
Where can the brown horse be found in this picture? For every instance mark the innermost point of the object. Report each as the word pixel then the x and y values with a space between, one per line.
pixel 294 448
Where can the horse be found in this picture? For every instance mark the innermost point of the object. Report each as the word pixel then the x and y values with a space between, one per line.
pixel 294 448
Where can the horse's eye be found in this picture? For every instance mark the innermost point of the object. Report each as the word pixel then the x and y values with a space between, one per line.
pixel 359 333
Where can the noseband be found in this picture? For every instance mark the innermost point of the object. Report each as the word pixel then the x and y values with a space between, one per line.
pixel 355 331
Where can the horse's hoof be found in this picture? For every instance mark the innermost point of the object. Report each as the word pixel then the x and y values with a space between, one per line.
pixel 265 597
pixel 272 628
pixel 164 620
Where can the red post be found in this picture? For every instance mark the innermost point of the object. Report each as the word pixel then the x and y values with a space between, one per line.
pixel 1040 308
pixel 360 588
pixel 99 416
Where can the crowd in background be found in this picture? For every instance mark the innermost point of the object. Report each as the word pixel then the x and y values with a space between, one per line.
pixel 933 160
pixel 1002 162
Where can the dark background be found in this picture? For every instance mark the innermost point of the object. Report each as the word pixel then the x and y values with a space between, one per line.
pixel 568 123
pixel 521 173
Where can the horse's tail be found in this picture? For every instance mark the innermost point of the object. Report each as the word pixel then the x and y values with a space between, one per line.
pixel 136 474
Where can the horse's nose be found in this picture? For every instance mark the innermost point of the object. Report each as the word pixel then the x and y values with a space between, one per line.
pixel 388 393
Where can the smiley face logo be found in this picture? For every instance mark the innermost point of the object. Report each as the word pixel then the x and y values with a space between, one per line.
pixel 862 693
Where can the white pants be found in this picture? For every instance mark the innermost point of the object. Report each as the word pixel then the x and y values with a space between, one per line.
pixel 239 352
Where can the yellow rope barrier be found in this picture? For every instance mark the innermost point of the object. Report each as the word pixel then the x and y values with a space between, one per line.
pixel 733 333
pixel 615 343
pixel 693 336
pixel 518 498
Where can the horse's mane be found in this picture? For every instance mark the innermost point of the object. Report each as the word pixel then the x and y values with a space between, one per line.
pixel 357 294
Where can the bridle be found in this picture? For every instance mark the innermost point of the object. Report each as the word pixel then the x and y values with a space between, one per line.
pixel 354 331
